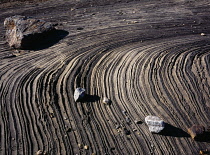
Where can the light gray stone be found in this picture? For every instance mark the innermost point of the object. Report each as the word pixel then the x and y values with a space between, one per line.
pixel 155 124
pixel 106 100
pixel 79 94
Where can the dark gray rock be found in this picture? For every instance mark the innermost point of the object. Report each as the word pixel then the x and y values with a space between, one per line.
pixel 23 32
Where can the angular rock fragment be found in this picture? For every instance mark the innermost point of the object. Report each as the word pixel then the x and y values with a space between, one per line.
pixel 196 131
pixel 24 32
pixel 155 124
pixel 79 94
pixel 80 146
pixel 204 152
pixel 40 152
pixel 86 147
pixel 106 100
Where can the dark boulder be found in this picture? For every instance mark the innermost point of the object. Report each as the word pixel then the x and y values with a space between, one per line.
pixel 24 32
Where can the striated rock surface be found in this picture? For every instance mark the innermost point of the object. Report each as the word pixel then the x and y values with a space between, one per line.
pixel 24 32
pixel 158 66
pixel 155 124
pixel 79 94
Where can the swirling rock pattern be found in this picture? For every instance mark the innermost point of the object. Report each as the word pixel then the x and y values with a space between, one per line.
pixel 148 57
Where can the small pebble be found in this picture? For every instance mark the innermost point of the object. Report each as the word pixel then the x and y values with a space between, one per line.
pixel 86 147
pixel 117 126
pixel 204 152
pixel 133 22
pixel 106 100
pixel 68 130
pixel 80 146
pixel 40 152
pixel 112 148
pixel 128 120
pixel 51 115
pixel 80 28
pixel 137 122
pixel 126 131
pixel 124 112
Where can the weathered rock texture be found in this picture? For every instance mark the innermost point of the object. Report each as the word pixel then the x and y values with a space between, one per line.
pixel 79 94
pixel 24 32
pixel 155 124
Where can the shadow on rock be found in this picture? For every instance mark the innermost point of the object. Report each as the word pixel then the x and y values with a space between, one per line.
pixel 204 138
pixel 90 98
pixel 43 41
pixel 173 131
